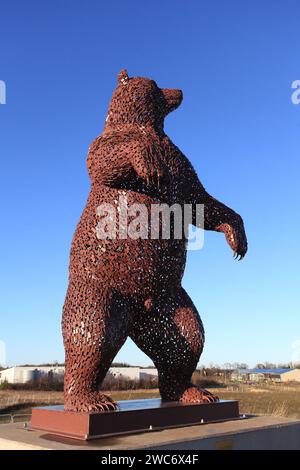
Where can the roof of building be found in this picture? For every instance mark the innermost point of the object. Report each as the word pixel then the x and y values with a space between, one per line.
pixel 272 371
pixel 264 371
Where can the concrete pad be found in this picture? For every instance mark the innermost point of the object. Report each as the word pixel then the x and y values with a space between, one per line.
pixel 262 432
pixel 6 444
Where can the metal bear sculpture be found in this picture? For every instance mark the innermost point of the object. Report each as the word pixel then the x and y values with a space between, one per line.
pixel 125 287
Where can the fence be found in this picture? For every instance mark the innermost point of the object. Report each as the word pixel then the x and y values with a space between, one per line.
pixel 14 418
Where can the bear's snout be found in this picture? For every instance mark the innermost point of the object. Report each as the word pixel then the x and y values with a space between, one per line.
pixel 173 98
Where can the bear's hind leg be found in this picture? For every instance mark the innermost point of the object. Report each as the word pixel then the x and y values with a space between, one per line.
pixel 95 326
pixel 172 335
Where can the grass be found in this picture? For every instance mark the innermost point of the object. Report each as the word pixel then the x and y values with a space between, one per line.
pixel 21 401
pixel 268 401
pixel 279 400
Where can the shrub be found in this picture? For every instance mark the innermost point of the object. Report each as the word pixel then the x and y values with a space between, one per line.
pixel 48 383
pixel 41 383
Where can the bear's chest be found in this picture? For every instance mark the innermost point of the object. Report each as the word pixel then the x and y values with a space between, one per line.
pixel 173 161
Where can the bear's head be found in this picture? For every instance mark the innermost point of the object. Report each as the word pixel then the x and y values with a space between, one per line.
pixel 140 101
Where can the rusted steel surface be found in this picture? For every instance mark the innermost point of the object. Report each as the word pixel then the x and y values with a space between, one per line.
pixel 132 416
pixel 120 288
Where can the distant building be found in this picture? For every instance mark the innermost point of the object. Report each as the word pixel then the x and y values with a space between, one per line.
pixel 130 373
pixel 240 375
pixel 263 375
pixel 24 374
pixel 148 373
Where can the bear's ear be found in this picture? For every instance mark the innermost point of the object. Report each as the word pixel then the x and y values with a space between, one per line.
pixel 123 77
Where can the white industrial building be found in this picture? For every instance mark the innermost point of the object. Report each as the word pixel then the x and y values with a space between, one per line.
pixel 131 373
pixel 148 373
pixel 24 374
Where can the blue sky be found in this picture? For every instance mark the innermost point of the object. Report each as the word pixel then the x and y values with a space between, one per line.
pixel 235 62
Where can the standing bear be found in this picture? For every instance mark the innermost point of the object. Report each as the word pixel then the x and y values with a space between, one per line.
pixel 130 286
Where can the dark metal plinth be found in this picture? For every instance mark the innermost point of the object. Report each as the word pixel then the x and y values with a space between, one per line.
pixel 133 416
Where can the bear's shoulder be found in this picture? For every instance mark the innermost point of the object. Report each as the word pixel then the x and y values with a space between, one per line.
pixel 115 140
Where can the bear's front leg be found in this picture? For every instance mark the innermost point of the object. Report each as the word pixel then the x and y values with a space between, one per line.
pixel 95 324
pixel 221 218
pixel 217 216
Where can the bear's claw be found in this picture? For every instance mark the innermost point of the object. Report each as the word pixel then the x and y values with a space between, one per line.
pixel 195 394
pixel 93 402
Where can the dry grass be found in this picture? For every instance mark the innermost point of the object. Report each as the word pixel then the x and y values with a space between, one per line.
pixel 270 400
pixel 273 401
pixel 16 401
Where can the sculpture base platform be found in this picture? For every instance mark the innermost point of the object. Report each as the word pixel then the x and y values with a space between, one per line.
pixel 252 433
pixel 133 416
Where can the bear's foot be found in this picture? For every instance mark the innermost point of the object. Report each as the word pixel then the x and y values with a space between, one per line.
pixel 194 394
pixel 91 402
